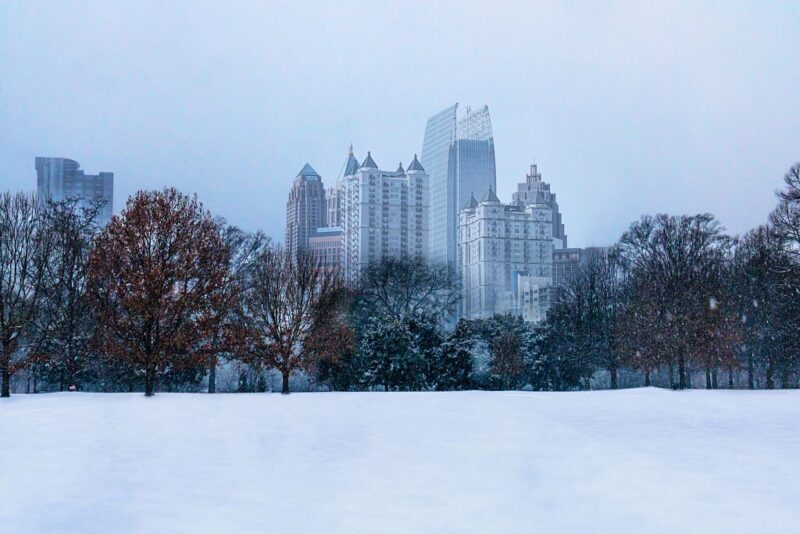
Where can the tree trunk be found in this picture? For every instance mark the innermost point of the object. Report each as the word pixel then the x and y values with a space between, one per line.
pixel 681 372
pixel 149 380
pixel 5 378
pixel 751 371
pixel 212 375
pixel 770 376
pixel 285 387
pixel 730 378
pixel 709 384
pixel 613 373
pixel 647 378
pixel 785 379
pixel 671 375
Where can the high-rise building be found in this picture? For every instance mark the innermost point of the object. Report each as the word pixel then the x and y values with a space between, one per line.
pixel 333 206
pixel 535 191
pixel 458 154
pixel 383 213
pixel 333 194
pixel 61 179
pixel 305 209
pixel 505 255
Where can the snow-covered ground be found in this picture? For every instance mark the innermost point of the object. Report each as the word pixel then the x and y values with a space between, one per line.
pixel 627 461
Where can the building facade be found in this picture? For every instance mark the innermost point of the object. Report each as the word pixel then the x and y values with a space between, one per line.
pixel 305 209
pixel 458 154
pixel 505 257
pixel 61 178
pixel 326 243
pixel 383 214
pixel 567 261
pixel 535 191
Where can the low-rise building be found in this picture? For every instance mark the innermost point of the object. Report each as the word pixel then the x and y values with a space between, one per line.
pixel 326 243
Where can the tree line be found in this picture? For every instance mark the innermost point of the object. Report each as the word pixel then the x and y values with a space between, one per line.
pixel 165 296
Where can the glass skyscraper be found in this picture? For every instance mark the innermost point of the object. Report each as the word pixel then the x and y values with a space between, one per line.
pixel 458 154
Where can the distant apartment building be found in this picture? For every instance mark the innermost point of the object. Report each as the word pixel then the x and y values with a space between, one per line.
pixel 61 179
pixel 535 191
pixel 505 256
pixel 458 154
pixel 305 209
pixel 383 213
pixel 326 243
pixel 567 262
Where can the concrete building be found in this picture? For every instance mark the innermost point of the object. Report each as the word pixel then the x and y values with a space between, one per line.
pixel 535 191
pixel 458 154
pixel 327 244
pixel 505 257
pixel 61 178
pixel 305 209
pixel 383 213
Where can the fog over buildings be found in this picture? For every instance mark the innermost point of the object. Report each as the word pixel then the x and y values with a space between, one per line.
pixel 626 108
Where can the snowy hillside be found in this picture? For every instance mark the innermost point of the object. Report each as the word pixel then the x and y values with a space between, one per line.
pixel 627 461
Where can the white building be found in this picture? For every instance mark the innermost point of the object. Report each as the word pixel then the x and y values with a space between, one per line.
pixel 505 258
pixel 382 213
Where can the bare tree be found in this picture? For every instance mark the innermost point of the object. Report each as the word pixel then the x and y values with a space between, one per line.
pixel 786 217
pixel 586 315
pixel 678 262
pixel 243 249
pixel 155 275
pixel 281 308
pixel 767 307
pixel 64 323
pixel 400 287
pixel 24 255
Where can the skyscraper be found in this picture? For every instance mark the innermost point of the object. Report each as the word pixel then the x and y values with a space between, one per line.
pixel 458 154
pixel 535 191
pixel 61 178
pixel 384 213
pixel 305 209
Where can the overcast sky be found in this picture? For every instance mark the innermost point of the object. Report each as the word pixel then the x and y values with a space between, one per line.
pixel 627 108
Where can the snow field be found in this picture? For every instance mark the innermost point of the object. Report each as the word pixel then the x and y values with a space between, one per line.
pixel 643 460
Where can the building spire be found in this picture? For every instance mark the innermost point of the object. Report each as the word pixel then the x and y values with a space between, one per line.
pixel 369 163
pixel 351 165
pixel 416 165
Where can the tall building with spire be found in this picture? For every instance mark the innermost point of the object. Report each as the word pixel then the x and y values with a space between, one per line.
pixel 458 154
pixel 305 209
pixel 61 178
pixel 332 194
pixel 383 213
pixel 535 191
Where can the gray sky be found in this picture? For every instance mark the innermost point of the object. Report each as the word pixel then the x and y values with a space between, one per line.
pixel 627 108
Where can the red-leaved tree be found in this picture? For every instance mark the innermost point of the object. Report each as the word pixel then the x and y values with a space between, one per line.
pixel 154 279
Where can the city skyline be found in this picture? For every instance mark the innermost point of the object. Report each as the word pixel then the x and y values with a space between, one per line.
pixel 641 110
